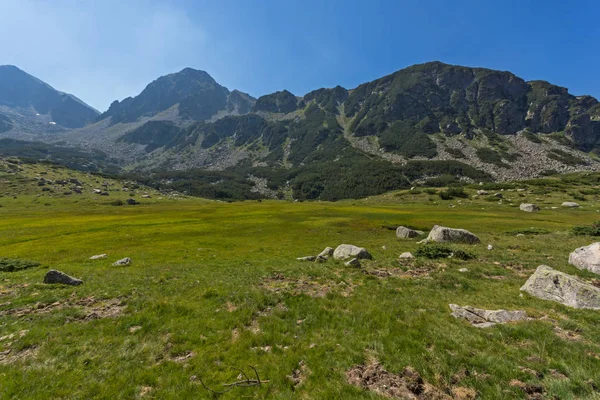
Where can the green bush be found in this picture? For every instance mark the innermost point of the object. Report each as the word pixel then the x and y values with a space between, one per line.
pixel 585 230
pixel 452 192
pixel 12 265
pixel 529 231
pixel 433 251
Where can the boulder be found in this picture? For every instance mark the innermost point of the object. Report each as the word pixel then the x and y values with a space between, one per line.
pixel 570 204
pixel 54 276
pixel 131 202
pixel 587 257
pixel 549 284
pixel 499 195
pixel 442 234
pixel 346 251
pixel 326 253
pixel 486 318
pixel 482 192
pixel 353 263
pixel 123 262
pixel 527 207
pixel 98 257
pixel 403 232
pixel 307 258
pixel 406 255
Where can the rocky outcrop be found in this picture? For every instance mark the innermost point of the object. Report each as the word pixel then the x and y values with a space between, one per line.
pixel 54 276
pixel 587 258
pixel 346 251
pixel 485 318
pixel 443 234
pixel 549 284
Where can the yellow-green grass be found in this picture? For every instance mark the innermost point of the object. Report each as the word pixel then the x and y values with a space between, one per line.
pixel 199 282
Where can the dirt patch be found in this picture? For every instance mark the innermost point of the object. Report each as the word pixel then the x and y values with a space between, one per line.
pixel 91 308
pixel 145 390
pixel 406 385
pixel 230 307
pixel 180 358
pixel 567 335
pixel 464 393
pixel 278 283
pixel 534 391
pixel 9 356
pixel 299 374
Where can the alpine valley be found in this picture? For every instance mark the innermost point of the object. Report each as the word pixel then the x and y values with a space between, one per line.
pixel 432 123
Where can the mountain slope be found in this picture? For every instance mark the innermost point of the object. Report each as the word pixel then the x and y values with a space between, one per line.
pixel 28 104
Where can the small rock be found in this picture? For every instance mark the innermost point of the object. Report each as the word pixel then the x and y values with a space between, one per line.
pixel 499 195
pixel 54 276
pixel 463 270
pixel 527 207
pixel 98 257
pixel 486 318
pixel 403 232
pixel 570 204
pixel 384 247
pixel 345 251
pixel 132 202
pixel 123 262
pixel 406 255
pixel 490 247
pixel 307 258
pixel 326 253
pixel 482 192
pixel 353 263
pixel 146 196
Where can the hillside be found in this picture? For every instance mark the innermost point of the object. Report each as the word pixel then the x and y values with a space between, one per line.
pixel 29 107
pixel 214 288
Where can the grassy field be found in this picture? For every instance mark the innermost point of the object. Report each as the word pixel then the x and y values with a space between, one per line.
pixel 215 286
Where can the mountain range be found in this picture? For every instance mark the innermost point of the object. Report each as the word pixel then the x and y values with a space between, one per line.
pixel 426 122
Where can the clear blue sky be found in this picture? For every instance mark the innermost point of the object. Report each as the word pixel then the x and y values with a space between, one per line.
pixel 106 50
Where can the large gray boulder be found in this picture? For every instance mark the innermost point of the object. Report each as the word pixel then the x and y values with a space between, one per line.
pixel 403 232
pixel 443 234
pixel 54 276
pixel 486 318
pixel 326 253
pixel 587 257
pixel 527 207
pixel 346 251
pixel 549 284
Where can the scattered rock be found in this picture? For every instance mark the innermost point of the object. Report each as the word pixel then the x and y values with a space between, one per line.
pixel 442 234
pixel 406 255
pixel 587 258
pixel 345 251
pixel 482 192
pixel 134 329
pixel 549 284
pixel 570 204
pixel 403 232
pixel 307 258
pixel 98 257
pixel 527 207
pixel 463 270
pixel 326 253
pixel 122 262
pixel 54 276
pixel 490 247
pixel 486 318
pixel 353 263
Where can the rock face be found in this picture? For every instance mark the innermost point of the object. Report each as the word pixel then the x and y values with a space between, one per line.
pixel 486 318
pixel 98 257
pixel 570 204
pixel 54 276
pixel 346 251
pixel 549 284
pixel 442 234
pixel 403 232
pixel 529 207
pixel 587 257
pixel 123 262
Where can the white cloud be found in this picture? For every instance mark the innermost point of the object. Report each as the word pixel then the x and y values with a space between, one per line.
pixel 99 51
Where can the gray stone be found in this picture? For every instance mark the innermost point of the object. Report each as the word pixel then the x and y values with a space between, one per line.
pixel 463 270
pixel 482 192
pixel 490 247
pixel 132 202
pixel 498 195
pixel 403 232
pixel 486 318
pixel 123 262
pixel 98 257
pixel 406 255
pixel 549 284
pixel 307 258
pixel 443 234
pixel 587 257
pixel 570 204
pixel 346 251
pixel 353 263
pixel 527 207
pixel 326 253
pixel 54 276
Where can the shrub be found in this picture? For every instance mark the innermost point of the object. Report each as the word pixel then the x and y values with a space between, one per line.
pixel 12 265
pixel 117 203
pixel 529 231
pixel 585 230
pixel 452 192
pixel 463 255
pixel 433 251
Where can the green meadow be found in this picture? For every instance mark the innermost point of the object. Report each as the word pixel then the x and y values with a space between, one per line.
pixel 215 287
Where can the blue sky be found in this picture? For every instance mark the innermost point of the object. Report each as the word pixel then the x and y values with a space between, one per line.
pixel 106 50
